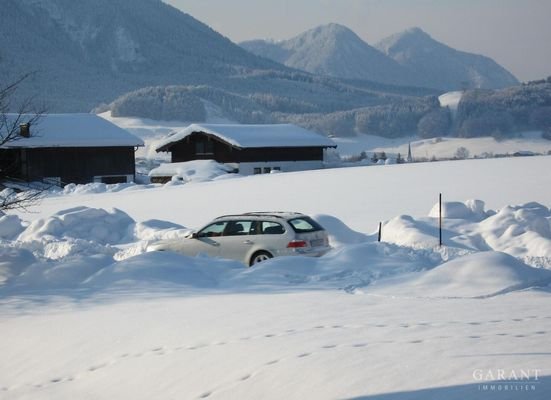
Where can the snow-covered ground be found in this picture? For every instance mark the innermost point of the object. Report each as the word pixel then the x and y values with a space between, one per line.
pixel 86 313
pixel 444 147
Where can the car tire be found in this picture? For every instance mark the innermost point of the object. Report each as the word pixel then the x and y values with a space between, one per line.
pixel 259 256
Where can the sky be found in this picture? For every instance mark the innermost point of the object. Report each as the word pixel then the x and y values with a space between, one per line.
pixel 515 33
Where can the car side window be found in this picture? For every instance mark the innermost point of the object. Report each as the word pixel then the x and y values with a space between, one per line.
pixel 272 228
pixel 213 230
pixel 238 228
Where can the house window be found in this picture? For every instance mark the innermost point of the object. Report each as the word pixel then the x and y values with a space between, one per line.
pixel 277 168
pixel 267 170
pixel 257 171
pixel 204 147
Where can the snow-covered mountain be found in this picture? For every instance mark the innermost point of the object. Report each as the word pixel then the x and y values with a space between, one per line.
pixel 408 58
pixel 333 50
pixel 92 51
pixel 441 66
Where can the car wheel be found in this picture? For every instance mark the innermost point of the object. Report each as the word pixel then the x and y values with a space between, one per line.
pixel 259 256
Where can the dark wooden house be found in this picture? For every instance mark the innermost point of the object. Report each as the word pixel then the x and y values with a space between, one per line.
pixel 70 148
pixel 251 149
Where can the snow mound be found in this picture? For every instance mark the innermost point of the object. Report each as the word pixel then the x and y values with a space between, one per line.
pixel 478 275
pixel 192 171
pixel 13 261
pixel 155 229
pixel 90 224
pixel 339 233
pixel 470 210
pixel 404 230
pixel 348 268
pixel 165 268
pixel 10 226
pixel 98 187
pixel 522 231
pixel 61 274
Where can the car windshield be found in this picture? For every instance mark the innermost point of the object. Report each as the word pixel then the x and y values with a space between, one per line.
pixel 304 225
pixel 215 229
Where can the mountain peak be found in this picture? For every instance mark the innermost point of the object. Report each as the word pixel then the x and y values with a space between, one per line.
pixel 332 27
pixel 441 65
pixel 331 31
pixel 333 50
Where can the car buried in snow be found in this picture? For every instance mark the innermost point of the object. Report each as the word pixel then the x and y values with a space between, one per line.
pixel 253 237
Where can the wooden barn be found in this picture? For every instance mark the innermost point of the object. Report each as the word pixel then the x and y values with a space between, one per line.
pixel 251 149
pixel 70 148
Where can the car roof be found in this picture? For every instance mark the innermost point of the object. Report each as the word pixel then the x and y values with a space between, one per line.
pixel 264 214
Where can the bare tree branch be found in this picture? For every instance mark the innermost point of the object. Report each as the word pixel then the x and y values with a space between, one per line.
pixel 10 129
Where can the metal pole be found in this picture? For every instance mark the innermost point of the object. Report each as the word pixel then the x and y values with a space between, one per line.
pixel 380 231
pixel 440 218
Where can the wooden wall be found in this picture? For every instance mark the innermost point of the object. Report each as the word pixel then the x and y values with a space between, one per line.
pixel 73 164
pixel 186 150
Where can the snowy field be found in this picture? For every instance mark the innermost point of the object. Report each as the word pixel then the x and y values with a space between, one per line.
pixel 86 313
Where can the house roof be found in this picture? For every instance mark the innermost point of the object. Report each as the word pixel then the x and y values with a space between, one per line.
pixel 71 130
pixel 253 136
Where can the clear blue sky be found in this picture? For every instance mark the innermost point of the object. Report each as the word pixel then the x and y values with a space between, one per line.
pixel 516 33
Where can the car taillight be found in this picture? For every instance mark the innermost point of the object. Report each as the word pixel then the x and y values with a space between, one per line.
pixel 295 244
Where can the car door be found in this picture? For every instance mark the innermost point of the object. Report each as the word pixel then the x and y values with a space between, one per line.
pixel 207 240
pixel 235 243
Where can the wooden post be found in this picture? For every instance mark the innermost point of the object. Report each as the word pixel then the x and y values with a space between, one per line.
pixel 380 231
pixel 440 218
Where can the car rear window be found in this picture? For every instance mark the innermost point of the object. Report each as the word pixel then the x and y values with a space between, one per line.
pixel 305 225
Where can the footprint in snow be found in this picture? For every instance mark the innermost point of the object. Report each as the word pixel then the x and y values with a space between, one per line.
pixel 96 367
pixel 205 395
pixel 272 362
pixel 329 346
pixel 303 355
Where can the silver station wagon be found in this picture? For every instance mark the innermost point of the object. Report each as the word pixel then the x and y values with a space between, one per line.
pixel 253 237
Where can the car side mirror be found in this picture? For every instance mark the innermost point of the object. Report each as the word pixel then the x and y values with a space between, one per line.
pixel 194 235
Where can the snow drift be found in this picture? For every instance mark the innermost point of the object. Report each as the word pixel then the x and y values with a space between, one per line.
pixel 484 254
pixel 482 274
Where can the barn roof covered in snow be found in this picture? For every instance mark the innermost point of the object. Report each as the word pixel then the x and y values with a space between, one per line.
pixel 252 136
pixel 69 130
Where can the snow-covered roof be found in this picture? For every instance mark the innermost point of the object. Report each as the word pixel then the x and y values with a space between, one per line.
pixel 72 130
pixel 253 136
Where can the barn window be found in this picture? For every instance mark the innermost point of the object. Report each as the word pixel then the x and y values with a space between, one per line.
pixel 257 171
pixel 267 170
pixel 204 147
